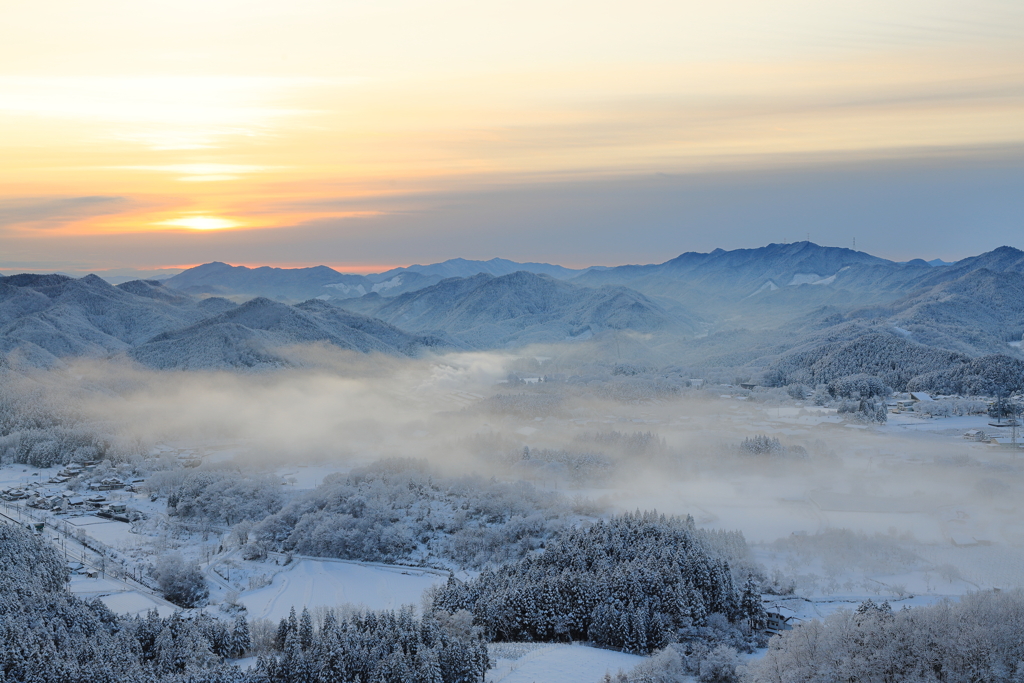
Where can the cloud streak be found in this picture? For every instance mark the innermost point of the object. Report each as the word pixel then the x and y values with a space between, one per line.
pixel 52 212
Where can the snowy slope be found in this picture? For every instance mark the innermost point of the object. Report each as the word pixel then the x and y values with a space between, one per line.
pixel 487 311
pixel 52 316
pixel 248 335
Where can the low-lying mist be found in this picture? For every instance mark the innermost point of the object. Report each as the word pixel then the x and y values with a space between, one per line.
pixel 624 436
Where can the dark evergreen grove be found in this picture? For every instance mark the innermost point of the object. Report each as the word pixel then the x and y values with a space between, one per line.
pixel 636 583
pixel 390 647
pixel 50 636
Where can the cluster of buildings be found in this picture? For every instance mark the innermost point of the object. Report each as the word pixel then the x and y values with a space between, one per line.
pixel 62 500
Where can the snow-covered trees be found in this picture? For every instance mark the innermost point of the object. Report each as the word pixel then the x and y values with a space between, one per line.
pixel 181 582
pixel 240 640
pixel 224 496
pixel 975 639
pixel 635 582
pixel 28 565
pixel 762 445
pixel 397 510
pixel 865 410
pixel 858 386
pixel 891 358
pixel 373 646
pixel 770 446
pixel 37 430
pixel 49 636
pixel 984 376
pixel 898 363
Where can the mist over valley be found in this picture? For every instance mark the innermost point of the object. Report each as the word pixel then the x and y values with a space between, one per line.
pixel 770 437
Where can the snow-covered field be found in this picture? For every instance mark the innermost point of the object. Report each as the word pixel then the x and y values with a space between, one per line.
pixel 536 662
pixel 330 583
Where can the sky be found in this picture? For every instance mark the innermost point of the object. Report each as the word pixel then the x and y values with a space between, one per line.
pixel 146 135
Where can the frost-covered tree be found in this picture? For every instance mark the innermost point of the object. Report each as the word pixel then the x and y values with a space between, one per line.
pixel 240 639
pixel 974 639
pixel 859 386
pixel 181 581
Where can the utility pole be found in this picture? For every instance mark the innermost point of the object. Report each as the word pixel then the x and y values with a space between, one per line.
pixel 1013 421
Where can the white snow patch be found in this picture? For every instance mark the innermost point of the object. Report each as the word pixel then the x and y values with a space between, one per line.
pixel 804 279
pixel 351 290
pixel 814 279
pixel 312 583
pixel 560 663
pixel 1015 344
pixel 396 281
pixel 104 531
pixel 134 602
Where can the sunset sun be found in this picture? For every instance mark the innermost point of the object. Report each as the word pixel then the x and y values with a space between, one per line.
pixel 201 223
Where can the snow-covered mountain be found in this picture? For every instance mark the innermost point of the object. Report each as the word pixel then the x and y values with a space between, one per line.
pixel 251 334
pixel 320 282
pixel 518 308
pixel 458 267
pixel 747 307
pixel 46 317
pixel 290 284
pixel 893 316
pixel 726 277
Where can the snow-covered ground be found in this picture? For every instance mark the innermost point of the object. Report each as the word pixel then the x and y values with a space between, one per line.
pixel 330 583
pixel 561 663
pixel 930 514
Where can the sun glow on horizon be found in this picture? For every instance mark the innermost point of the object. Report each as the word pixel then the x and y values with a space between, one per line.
pixel 201 223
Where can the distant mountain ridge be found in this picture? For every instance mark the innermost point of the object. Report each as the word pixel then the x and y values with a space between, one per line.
pixel 767 310
pixel 458 267
pixel 320 282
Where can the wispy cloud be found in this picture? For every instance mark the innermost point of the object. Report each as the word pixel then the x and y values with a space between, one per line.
pixel 204 172
pixel 160 112
pixel 52 212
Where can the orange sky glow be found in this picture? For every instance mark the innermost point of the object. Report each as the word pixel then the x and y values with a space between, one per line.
pixel 123 121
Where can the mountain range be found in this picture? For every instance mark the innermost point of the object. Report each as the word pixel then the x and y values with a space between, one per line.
pixel 44 318
pixel 292 285
pixel 776 310
pixel 485 311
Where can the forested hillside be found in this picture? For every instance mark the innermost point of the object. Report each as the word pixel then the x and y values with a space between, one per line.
pixel 248 336
pixel 486 311
pixel 635 583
